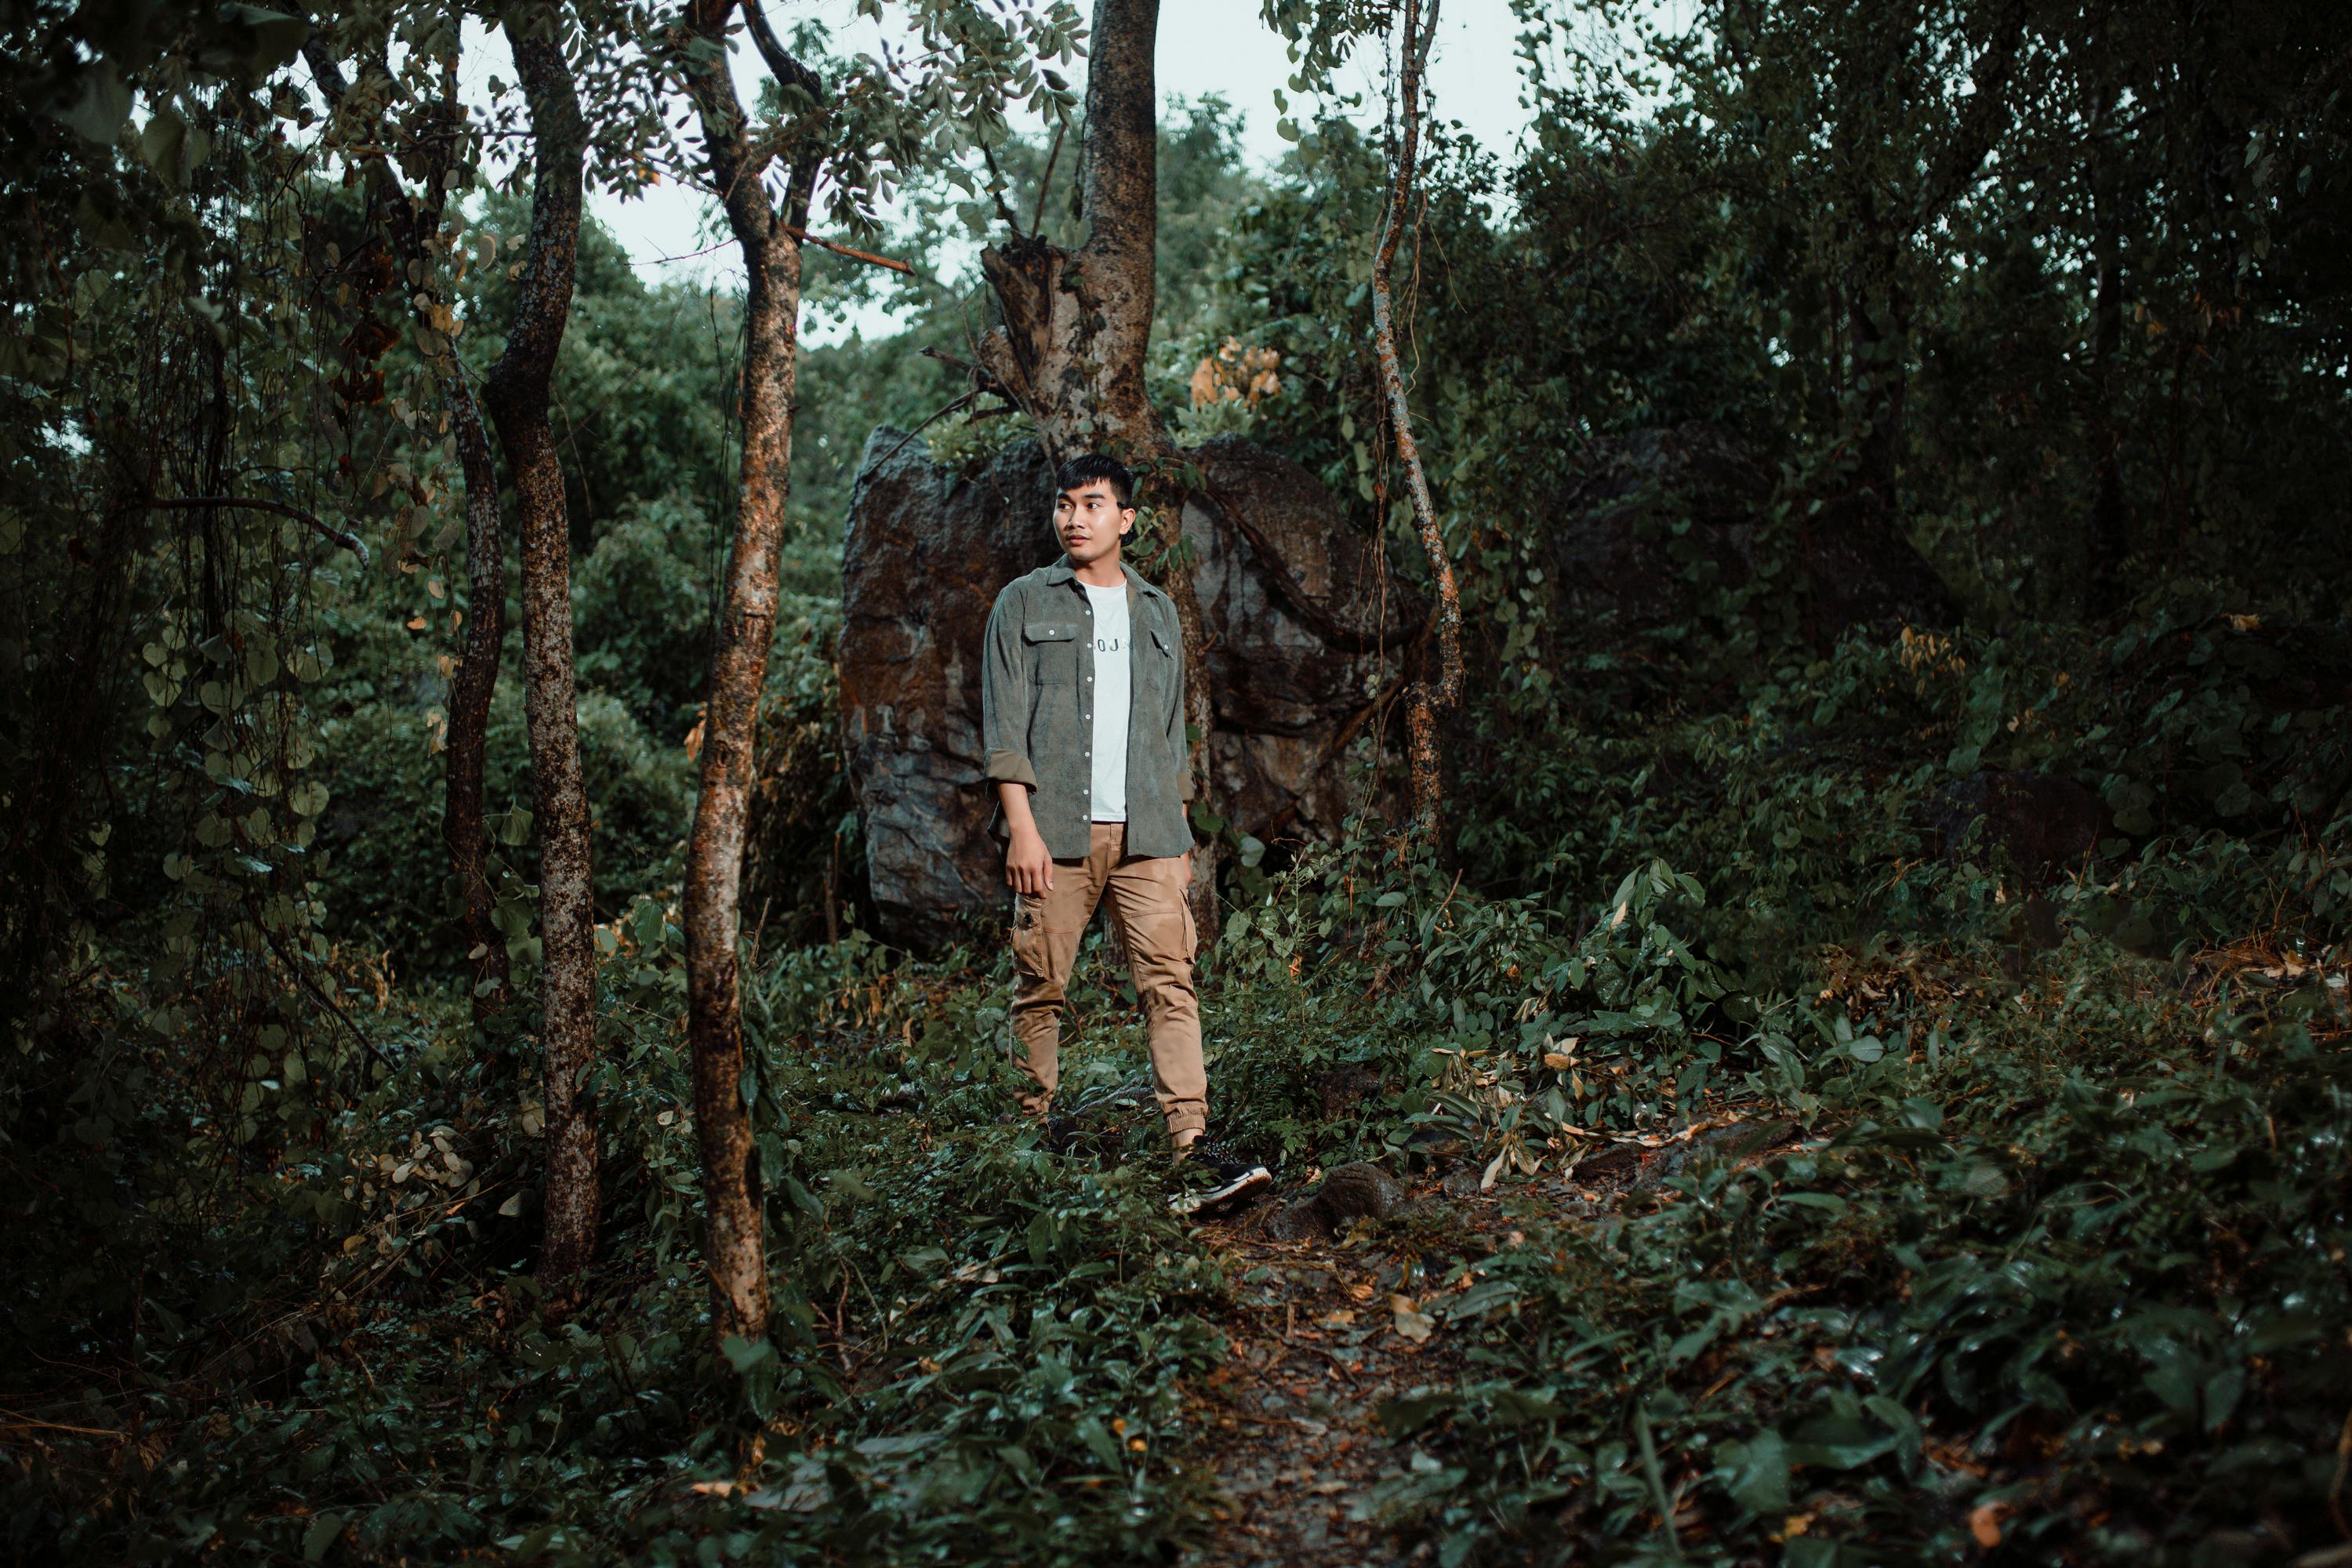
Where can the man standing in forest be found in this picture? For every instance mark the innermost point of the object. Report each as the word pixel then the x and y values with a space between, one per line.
pixel 1082 712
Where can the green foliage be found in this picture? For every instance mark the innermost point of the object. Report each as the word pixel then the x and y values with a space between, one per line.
pixel 389 763
pixel 1492 1019
pixel 978 1344
pixel 641 611
pixel 2058 1255
pixel 2081 1298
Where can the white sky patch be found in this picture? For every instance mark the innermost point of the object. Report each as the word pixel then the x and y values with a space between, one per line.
pixel 674 234
pixel 1204 47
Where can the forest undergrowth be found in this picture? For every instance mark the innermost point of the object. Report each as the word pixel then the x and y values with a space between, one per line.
pixel 2016 1229
pixel 1860 1064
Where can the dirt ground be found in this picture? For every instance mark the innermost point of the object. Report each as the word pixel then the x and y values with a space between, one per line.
pixel 1316 1348
pixel 1323 1332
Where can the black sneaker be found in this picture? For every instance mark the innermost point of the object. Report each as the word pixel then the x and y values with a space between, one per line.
pixel 1226 1176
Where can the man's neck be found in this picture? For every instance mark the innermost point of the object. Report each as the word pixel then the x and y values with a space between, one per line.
pixel 1104 573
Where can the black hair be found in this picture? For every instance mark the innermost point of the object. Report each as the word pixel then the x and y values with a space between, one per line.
pixel 1087 466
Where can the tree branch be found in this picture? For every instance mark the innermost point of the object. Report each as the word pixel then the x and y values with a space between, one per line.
pixel 931 421
pixel 737 171
pixel 997 192
pixel 255 503
pixel 1279 575
pixel 782 64
pixel 982 378
pixel 1052 156
pixel 805 238
pixel 543 302
pixel 1980 118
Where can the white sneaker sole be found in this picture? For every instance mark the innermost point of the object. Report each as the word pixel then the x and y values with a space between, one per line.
pixel 1249 1181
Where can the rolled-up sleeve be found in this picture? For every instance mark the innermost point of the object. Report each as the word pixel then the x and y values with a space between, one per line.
pixel 1006 695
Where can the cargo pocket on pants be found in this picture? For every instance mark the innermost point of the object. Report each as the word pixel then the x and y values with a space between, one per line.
pixel 1032 957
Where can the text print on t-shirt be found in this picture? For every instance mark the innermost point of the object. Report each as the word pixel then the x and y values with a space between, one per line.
pixel 1111 688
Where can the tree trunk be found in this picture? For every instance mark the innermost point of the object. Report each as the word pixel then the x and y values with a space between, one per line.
pixel 66 746
pixel 1881 352
pixel 2107 544
pixel 517 394
pixel 1076 324
pixel 414 227
pixel 476 683
pixel 1426 699
pixel 733 1248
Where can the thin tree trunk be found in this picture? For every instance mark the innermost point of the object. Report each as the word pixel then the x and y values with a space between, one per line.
pixel 1425 702
pixel 412 226
pixel 2107 544
pixel 733 1249
pixel 517 395
pixel 1881 354
pixel 471 692
pixel 70 731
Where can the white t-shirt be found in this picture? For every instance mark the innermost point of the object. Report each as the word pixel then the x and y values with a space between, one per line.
pixel 1113 696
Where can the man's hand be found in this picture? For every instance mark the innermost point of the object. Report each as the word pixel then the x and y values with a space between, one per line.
pixel 1188 869
pixel 1027 867
pixel 1028 870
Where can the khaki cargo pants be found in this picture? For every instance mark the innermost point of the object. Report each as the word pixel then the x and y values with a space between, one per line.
pixel 1154 922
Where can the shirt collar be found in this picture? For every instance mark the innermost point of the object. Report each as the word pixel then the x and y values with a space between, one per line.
pixel 1061 571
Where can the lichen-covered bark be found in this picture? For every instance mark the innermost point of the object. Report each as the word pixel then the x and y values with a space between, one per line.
pixel 1076 322
pixel 1426 699
pixel 733 1249
pixel 517 395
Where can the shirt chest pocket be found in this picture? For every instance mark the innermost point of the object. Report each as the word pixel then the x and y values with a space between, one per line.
pixel 1052 651
pixel 1155 667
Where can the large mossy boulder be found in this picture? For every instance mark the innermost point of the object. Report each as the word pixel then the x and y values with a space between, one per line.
pixel 1302 629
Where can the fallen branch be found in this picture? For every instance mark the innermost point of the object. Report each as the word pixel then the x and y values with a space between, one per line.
pixel 27 1423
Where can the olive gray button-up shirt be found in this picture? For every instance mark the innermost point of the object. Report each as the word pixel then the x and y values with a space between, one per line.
pixel 1038 711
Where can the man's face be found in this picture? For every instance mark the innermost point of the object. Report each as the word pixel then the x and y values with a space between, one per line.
pixel 1090 522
